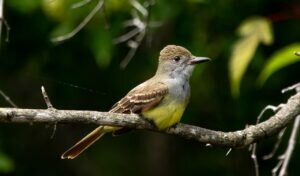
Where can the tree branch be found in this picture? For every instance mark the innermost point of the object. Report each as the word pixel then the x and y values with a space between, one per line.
pixel 290 148
pixel 7 99
pixel 240 138
pixel 81 25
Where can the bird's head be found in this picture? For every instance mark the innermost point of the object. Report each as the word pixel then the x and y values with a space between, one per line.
pixel 177 61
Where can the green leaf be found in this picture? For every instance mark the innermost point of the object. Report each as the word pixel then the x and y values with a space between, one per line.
pixel 198 1
pixel 101 45
pixel 6 164
pixel 279 60
pixel 24 6
pixel 55 9
pixel 117 5
pixel 243 51
pixel 253 31
pixel 259 26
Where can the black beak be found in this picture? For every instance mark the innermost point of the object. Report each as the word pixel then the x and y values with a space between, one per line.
pixel 197 60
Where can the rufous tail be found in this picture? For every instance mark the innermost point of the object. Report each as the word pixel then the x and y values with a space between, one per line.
pixel 84 143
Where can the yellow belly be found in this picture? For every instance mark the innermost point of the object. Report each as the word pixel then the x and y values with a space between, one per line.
pixel 166 114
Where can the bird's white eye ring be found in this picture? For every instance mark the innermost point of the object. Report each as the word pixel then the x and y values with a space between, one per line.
pixel 176 58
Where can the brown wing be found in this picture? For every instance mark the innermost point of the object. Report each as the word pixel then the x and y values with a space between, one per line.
pixel 144 96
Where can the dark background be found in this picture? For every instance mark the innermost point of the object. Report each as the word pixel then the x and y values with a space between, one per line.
pixel 84 73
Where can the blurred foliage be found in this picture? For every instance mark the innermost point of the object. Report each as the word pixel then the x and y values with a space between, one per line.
pixel 84 73
pixel 278 60
pixel 56 9
pixel 6 164
pixel 25 6
pixel 253 31
pixel 102 54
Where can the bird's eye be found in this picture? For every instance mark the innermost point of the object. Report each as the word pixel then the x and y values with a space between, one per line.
pixel 176 58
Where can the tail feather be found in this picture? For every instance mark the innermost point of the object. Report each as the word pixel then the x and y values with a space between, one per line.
pixel 84 143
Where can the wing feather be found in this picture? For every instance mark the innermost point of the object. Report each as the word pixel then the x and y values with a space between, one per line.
pixel 141 98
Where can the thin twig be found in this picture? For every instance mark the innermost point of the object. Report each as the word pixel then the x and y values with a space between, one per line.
pixel 228 152
pixel 268 107
pixel 276 146
pixel 290 148
pixel 134 46
pixel 254 146
pixel 254 158
pixel 80 4
pixel 81 25
pixel 7 30
pixel 277 167
pixel 208 145
pixel 1 18
pixel 285 158
pixel 280 135
pixel 295 87
pixel 139 7
pixel 127 36
pixel 53 131
pixel 50 107
pixel 3 21
pixel 46 98
pixel 141 23
pixel 7 99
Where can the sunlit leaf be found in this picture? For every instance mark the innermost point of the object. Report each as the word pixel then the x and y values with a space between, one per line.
pixel 55 9
pixel 257 26
pixel 243 51
pixel 278 60
pixel 6 164
pixel 253 32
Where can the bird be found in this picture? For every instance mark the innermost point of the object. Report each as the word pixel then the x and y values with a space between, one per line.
pixel 161 99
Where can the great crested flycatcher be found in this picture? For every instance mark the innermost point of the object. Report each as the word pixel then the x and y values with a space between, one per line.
pixel 161 99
